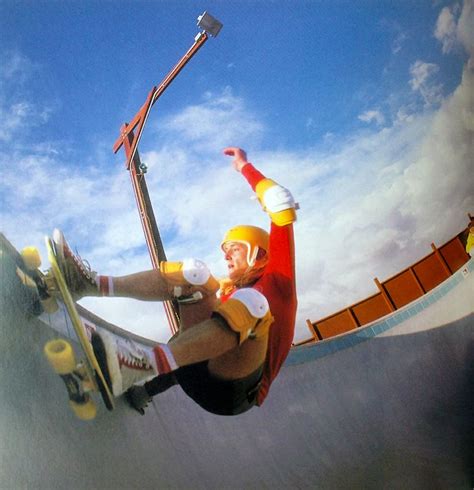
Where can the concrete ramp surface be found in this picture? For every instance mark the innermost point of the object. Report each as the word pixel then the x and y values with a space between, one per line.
pixel 387 406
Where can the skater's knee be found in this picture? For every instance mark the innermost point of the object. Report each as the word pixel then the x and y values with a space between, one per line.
pixel 187 277
pixel 247 313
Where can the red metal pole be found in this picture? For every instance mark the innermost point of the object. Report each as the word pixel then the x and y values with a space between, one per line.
pixel 129 139
pixel 150 228
pixel 142 115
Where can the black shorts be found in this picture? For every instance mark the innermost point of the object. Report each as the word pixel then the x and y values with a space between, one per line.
pixel 219 396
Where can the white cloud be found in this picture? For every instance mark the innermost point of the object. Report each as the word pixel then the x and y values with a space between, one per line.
pixel 420 82
pixel 15 68
pixel 17 110
pixel 421 72
pixel 445 30
pixel 395 30
pixel 398 42
pixel 372 115
pixel 19 115
pixel 465 31
pixel 404 114
pixel 454 27
pixel 209 126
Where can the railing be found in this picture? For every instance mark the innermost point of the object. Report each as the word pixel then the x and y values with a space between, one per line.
pixel 395 292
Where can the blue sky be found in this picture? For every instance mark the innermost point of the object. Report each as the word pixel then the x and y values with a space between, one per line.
pixel 363 109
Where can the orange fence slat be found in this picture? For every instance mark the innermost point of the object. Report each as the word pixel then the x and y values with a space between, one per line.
pixel 370 309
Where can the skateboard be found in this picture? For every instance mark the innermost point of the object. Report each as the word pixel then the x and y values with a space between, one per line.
pixel 81 378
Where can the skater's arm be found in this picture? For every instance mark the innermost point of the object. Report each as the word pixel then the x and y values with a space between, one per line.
pixel 282 261
pixel 276 200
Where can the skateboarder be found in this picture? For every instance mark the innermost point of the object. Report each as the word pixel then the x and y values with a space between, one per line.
pixel 230 345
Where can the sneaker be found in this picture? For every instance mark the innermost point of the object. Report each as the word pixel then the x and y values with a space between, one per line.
pixel 80 279
pixel 122 362
pixel 138 398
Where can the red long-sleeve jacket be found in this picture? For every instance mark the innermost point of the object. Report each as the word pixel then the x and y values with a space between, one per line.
pixel 278 285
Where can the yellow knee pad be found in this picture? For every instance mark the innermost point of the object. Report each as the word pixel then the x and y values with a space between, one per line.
pixel 276 201
pixel 190 272
pixel 247 313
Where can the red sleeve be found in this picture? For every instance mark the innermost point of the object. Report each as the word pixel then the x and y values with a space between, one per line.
pixel 252 175
pixel 279 286
pixel 282 249
pixel 282 252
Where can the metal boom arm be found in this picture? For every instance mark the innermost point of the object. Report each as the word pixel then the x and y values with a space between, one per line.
pixel 130 135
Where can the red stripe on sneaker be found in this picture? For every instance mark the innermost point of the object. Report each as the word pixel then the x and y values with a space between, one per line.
pixel 162 362
pixel 104 285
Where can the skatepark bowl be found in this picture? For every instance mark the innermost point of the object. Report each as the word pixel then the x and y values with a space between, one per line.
pixel 387 405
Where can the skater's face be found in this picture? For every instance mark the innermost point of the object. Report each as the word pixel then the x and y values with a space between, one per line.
pixel 236 259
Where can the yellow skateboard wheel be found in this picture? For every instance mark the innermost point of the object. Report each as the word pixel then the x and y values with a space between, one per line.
pixel 84 411
pixel 31 257
pixel 61 356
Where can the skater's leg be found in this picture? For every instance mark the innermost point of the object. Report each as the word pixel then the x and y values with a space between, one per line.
pixel 206 340
pixel 192 314
pixel 145 286
pixel 234 341
pixel 152 285
pixel 241 361
pixel 140 396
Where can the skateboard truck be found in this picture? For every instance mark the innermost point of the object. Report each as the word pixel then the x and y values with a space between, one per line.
pixel 60 355
pixel 44 283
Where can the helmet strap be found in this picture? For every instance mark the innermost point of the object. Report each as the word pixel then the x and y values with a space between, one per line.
pixel 252 258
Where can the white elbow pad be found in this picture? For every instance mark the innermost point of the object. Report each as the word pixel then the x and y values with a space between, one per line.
pixel 277 201
pixel 277 198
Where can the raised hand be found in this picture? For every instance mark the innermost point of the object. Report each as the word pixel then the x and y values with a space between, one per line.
pixel 240 157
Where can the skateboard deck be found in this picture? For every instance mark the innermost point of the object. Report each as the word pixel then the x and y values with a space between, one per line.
pixel 80 378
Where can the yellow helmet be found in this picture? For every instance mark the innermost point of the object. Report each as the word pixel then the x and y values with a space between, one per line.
pixel 254 237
